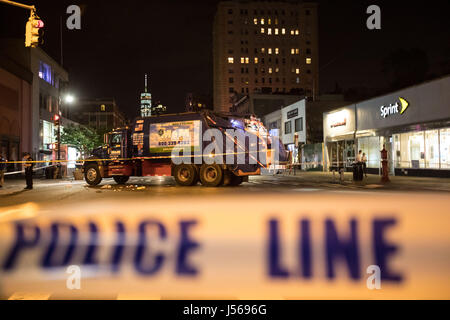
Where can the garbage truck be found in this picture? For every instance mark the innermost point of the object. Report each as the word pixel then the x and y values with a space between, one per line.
pixel 184 146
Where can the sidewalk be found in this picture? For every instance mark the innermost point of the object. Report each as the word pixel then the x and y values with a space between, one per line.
pixel 373 181
pixel 14 186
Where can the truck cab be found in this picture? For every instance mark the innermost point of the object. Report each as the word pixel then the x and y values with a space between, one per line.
pixel 118 143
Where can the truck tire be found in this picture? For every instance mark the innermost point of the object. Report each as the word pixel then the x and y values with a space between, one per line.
pixel 92 174
pixel 236 180
pixel 185 175
pixel 211 175
pixel 121 179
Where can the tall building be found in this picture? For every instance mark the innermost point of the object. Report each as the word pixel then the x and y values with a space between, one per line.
pixel 264 47
pixel 146 101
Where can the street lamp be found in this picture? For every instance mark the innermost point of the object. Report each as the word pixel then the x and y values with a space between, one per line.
pixel 69 98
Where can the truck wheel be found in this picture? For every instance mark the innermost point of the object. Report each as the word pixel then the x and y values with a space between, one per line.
pixel 236 180
pixel 121 179
pixel 185 175
pixel 92 175
pixel 211 175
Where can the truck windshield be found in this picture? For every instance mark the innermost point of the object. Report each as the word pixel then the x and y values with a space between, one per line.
pixel 116 138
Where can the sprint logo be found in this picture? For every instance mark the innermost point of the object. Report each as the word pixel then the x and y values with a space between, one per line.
pixel 394 108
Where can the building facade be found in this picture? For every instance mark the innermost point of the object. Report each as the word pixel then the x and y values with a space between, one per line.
pixel 299 128
pixel 262 104
pixel 264 47
pixel 197 102
pixel 49 81
pixel 413 124
pixel 15 110
pixel 101 114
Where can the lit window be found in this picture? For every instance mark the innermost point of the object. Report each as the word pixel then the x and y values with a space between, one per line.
pixel 276 21
pixel 292 32
pixel 262 21
pixel 255 21
pixel 277 69
pixel 230 60
pixel 269 21
pixel 256 60
pixel 269 31
pixel 277 51
pixel 270 50
pixel 242 60
pixel 263 50
pixel 262 30
pixel 308 60
pixel 247 60
pixel 45 72
pixel 297 71
pixel 102 107
pixel 283 31
pixel 276 31
pixel 296 32
pixel 292 51
pixel 270 70
pixel 297 51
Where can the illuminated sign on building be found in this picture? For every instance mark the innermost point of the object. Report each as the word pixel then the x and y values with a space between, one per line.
pixel 338 119
pixel 339 124
pixel 394 108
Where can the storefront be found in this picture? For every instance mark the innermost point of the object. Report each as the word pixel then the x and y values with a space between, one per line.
pixel 293 128
pixel 413 124
pixel 339 138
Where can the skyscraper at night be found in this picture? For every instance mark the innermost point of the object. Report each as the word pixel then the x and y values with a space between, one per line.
pixel 146 101
pixel 264 47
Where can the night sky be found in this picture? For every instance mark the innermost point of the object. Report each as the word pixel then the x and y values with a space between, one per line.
pixel 172 41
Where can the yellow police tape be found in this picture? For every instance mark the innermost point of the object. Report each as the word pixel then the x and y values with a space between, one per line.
pixel 124 159
pixel 269 246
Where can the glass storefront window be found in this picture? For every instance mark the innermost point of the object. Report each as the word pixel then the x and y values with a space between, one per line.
pixel 48 135
pixel 349 152
pixel 424 149
pixel 432 149
pixel 417 149
pixel 444 135
pixel 371 147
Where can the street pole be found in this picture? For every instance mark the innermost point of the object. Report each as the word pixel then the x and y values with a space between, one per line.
pixel 58 141
pixel 20 5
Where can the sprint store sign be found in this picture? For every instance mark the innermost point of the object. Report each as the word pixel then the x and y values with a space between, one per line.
pixel 394 108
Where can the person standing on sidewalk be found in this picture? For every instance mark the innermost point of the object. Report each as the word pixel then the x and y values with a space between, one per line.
pixel 28 170
pixel 2 170
pixel 364 164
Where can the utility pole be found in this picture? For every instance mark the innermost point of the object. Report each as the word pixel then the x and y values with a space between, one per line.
pixel 20 5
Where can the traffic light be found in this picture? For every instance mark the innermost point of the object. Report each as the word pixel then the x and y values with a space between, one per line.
pixel 56 119
pixel 33 26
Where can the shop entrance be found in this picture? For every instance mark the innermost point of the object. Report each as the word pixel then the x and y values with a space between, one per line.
pixel 341 154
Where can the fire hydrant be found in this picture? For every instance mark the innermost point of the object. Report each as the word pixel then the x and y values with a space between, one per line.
pixel 384 165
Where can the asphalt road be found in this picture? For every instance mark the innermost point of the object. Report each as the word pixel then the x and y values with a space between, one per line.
pixel 67 191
